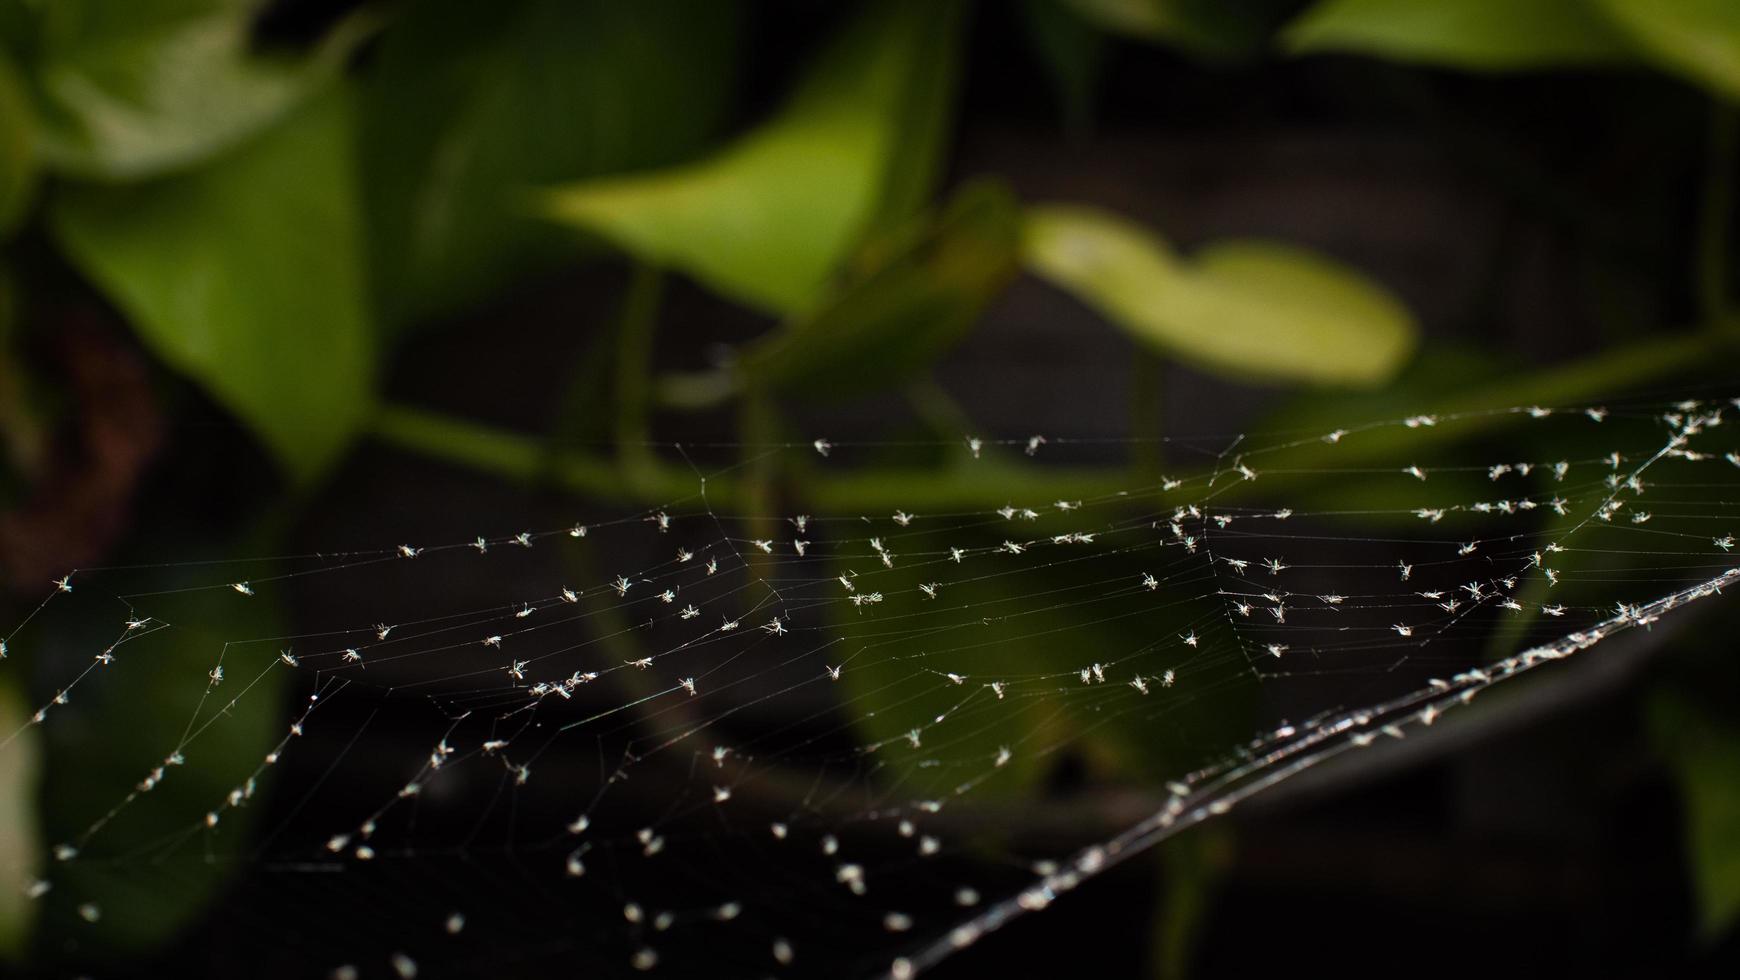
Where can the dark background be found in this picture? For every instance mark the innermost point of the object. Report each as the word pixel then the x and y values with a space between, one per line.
pixel 1526 219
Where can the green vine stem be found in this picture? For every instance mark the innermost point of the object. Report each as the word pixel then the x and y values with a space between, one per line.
pixel 997 479
pixel 1715 219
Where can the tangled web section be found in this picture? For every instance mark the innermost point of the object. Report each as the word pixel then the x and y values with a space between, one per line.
pixel 754 740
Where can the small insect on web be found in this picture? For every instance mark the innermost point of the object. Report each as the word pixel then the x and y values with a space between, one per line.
pixel 677 738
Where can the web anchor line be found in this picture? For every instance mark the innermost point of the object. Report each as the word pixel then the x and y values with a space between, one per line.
pixel 1287 753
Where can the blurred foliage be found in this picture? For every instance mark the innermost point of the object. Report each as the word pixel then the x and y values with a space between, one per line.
pixel 1702 744
pixel 163 693
pixel 1072 52
pixel 769 219
pixel 468 106
pixel 21 848
pixel 903 313
pixel 1192 867
pixel 1259 309
pixel 260 295
pixel 1486 35
pixel 271 214
pixel 17 147
pixel 126 91
pixel 1697 38
pixel 1111 740
pixel 448 146
pixel 1213 28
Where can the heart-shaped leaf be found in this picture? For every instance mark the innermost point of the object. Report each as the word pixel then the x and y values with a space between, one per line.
pixel 1253 309
pixel 769 219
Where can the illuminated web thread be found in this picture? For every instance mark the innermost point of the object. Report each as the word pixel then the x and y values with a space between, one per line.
pixel 781 616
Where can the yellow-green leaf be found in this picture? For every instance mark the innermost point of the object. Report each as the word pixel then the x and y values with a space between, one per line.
pixel 1483 35
pixel 1254 309
pixel 769 219
pixel 1699 39
pixel 1215 28
pixel 20 843
pixel 17 149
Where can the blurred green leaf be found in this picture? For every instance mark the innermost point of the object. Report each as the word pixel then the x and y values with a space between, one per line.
pixel 1665 355
pixel 922 290
pixel 918 131
pixel 1071 50
pixel 248 276
pixel 907 312
pixel 1193 867
pixel 20 846
pixel 157 691
pixel 467 105
pixel 1033 647
pixel 1482 35
pixel 132 90
pixel 1373 499
pixel 1248 308
pixel 17 148
pixel 1704 752
pixel 1217 28
pixel 769 220
pixel 1441 371
pixel 17 27
pixel 1699 39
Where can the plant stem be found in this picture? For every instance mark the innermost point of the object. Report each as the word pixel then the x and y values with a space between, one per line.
pixel 1146 404
pixel 527 459
pixel 639 318
pixel 757 428
pixel 1715 218
pixel 995 480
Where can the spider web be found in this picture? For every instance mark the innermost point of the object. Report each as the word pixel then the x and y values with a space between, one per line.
pixel 714 735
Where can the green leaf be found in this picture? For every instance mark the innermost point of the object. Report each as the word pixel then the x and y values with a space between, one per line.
pixel 918 130
pixel 1699 39
pixel 906 313
pixel 1193 868
pixel 466 105
pixel 127 91
pixel 1705 753
pixel 1214 28
pixel 17 149
pixel 1040 645
pixel 769 219
pixel 1072 52
pixel 248 277
pixel 20 845
pixel 1480 35
pixel 1254 309
pixel 157 692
